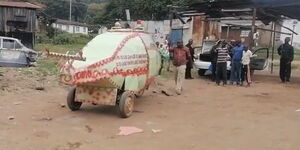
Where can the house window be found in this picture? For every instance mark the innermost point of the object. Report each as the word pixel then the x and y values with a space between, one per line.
pixel 20 12
pixel 77 29
pixel 67 27
pixel 84 29
pixel 8 44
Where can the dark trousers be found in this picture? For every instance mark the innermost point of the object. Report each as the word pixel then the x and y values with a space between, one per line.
pixel 214 70
pixel 188 70
pixel 221 73
pixel 285 70
pixel 161 66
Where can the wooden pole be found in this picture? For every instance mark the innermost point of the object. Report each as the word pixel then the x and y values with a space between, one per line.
pixel 228 29
pixel 273 47
pixel 253 29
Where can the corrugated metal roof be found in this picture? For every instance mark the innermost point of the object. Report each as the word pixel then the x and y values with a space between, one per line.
pixel 67 22
pixel 19 5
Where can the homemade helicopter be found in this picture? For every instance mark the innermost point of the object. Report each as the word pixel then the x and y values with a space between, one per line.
pixel 112 69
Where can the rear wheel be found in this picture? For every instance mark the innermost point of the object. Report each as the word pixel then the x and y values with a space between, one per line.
pixel 71 100
pixel 126 104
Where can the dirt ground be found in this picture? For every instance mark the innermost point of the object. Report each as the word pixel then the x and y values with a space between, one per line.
pixel 205 117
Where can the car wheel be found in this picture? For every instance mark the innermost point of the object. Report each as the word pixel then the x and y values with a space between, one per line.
pixel 71 100
pixel 126 104
pixel 201 72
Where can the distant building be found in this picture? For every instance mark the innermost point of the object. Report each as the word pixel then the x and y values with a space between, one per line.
pixel 19 20
pixel 70 26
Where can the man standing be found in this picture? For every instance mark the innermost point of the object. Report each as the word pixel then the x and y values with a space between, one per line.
pixel 236 65
pixel 214 57
pixel 222 55
pixel 247 54
pixel 181 57
pixel 286 52
pixel 189 65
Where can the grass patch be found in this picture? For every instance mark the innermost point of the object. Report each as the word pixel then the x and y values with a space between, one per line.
pixel 48 66
pixel 59 48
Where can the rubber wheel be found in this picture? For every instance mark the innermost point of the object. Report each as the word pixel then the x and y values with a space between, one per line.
pixel 140 93
pixel 201 72
pixel 71 100
pixel 126 104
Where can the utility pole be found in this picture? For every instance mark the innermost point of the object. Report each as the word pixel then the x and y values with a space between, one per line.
pixel 70 11
pixel 294 25
pixel 253 29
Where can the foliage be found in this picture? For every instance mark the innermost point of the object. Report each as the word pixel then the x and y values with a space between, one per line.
pixel 67 38
pixel 139 9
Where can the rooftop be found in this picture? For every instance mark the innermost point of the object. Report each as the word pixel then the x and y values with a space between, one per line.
pixel 19 5
pixel 67 22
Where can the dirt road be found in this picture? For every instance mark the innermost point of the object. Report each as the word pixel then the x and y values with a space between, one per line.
pixel 205 117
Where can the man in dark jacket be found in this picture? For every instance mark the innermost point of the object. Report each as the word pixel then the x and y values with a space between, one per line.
pixel 214 57
pixel 189 65
pixel 286 52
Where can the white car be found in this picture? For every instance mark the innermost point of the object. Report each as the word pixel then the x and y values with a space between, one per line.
pixel 203 61
pixel 14 54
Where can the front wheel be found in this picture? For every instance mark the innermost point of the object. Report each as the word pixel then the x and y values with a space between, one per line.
pixel 201 72
pixel 71 100
pixel 126 104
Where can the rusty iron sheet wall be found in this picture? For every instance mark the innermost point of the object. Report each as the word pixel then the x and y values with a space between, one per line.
pixel 203 29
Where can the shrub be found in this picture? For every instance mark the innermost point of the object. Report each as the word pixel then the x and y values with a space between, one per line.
pixel 67 38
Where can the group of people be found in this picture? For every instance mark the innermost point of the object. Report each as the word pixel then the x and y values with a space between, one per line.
pixel 223 52
pixel 239 57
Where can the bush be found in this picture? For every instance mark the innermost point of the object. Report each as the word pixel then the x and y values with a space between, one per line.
pixel 67 38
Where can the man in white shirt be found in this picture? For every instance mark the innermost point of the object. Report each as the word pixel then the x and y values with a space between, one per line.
pixel 247 54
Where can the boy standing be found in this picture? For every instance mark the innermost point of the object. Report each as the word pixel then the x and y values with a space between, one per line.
pixel 247 54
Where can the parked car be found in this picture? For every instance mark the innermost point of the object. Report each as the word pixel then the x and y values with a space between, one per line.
pixel 14 54
pixel 259 61
pixel 203 58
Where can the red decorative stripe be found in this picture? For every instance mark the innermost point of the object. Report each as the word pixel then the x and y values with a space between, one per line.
pixel 113 57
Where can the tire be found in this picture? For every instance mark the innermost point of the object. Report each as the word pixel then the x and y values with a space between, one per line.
pixel 201 72
pixel 126 104
pixel 71 100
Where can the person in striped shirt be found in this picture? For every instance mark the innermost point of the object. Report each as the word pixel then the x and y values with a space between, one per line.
pixel 222 63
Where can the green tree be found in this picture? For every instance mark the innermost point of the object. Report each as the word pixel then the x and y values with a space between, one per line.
pixel 139 9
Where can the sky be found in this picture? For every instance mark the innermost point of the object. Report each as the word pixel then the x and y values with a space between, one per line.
pixel 289 24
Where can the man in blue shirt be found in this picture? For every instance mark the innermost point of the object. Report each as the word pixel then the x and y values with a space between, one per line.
pixel 236 65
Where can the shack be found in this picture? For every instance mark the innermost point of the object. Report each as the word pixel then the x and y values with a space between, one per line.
pixel 19 20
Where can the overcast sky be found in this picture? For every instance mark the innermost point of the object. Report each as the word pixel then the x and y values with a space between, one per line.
pixel 289 23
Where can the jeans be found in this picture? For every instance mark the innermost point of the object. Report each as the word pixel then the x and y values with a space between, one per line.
pixel 236 70
pixel 285 70
pixel 214 70
pixel 221 73
pixel 179 77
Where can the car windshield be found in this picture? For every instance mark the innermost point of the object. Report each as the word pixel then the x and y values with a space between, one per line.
pixel 207 45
